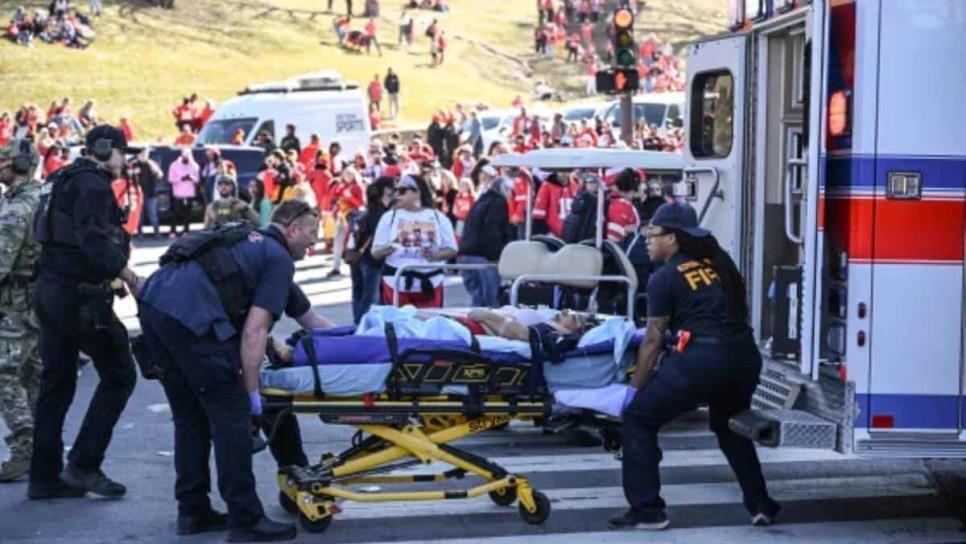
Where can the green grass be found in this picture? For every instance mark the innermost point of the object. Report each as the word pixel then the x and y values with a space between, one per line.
pixel 146 59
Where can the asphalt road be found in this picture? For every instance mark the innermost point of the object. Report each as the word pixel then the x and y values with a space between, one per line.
pixel 826 497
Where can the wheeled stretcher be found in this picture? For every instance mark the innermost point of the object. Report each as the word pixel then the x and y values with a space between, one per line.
pixel 431 399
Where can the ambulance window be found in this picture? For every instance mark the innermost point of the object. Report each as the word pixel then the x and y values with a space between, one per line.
pixel 712 117
pixel 267 127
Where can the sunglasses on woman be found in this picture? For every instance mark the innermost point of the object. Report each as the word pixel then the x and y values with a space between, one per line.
pixel 403 190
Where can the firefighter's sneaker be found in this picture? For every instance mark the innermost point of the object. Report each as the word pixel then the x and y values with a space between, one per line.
pixel 13 470
pixel 634 520
pixel 94 481
pixel 767 516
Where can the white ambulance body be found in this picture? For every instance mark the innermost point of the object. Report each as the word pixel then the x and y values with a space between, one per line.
pixel 827 152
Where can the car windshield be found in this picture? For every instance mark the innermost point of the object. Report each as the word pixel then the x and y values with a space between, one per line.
pixel 578 114
pixel 220 131
pixel 489 123
pixel 653 114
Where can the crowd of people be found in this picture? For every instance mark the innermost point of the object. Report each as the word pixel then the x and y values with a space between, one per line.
pixel 573 31
pixel 55 129
pixel 60 24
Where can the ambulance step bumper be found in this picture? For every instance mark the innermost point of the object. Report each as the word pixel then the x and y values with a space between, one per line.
pixel 785 428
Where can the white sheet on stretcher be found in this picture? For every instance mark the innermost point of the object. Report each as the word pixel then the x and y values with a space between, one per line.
pixel 606 400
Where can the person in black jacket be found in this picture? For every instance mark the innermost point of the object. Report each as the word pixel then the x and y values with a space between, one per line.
pixel 290 142
pixel 367 271
pixel 435 137
pixel 486 233
pixel 391 84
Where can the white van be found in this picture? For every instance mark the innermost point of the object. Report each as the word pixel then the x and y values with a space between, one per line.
pixel 663 110
pixel 316 103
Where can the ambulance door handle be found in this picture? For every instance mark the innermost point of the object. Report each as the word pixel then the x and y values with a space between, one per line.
pixel 790 196
pixel 716 192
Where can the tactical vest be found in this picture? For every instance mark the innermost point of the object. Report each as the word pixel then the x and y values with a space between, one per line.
pixel 21 201
pixel 227 210
pixel 54 223
pixel 210 248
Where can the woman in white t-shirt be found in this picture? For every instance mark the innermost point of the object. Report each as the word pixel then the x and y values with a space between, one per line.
pixel 414 233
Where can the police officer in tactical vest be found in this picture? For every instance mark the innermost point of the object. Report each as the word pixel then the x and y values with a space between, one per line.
pixel 228 208
pixel 84 248
pixel 19 364
pixel 206 315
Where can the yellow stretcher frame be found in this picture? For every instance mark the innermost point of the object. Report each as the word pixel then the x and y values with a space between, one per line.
pixel 431 425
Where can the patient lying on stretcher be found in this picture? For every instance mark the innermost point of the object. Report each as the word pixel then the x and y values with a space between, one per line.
pixel 514 323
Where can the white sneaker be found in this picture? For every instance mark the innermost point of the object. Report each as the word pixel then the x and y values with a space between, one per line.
pixel 761 520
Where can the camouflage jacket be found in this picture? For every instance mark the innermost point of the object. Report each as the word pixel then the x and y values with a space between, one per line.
pixel 19 249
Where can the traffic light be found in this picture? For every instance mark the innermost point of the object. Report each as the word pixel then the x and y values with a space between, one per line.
pixel 624 54
pixel 618 81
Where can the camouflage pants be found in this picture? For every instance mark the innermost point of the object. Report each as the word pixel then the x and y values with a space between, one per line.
pixel 19 379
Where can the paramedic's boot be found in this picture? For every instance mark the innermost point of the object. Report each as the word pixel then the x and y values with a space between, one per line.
pixel 265 530
pixel 766 516
pixel 635 520
pixel 94 481
pixel 57 490
pixel 210 521
pixel 14 469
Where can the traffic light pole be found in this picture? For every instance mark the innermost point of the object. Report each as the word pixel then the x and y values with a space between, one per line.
pixel 627 118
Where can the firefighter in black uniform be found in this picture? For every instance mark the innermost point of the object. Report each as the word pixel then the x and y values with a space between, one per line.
pixel 84 249
pixel 697 315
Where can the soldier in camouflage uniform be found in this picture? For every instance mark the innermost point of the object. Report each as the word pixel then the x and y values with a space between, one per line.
pixel 19 363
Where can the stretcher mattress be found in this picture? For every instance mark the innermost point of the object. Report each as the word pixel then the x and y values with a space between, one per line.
pixel 351 365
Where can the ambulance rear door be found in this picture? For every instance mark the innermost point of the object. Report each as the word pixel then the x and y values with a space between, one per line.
pixel 715 119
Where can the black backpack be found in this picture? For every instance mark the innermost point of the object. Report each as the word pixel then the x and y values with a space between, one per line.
pixel 581 223
pixel 210 249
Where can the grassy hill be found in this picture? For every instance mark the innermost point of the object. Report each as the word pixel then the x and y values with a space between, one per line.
pixel 146 59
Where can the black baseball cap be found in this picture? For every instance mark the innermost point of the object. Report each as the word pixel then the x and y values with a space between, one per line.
pixel 679 216
pixel 110 133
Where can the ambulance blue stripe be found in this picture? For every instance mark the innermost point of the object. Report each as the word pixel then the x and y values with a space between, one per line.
pixel 911 411
pixel 940 175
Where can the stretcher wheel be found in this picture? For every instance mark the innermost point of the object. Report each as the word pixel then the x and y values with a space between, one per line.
pixel 504 497
pixel 318 526
pixel 287 503
pixel 542 513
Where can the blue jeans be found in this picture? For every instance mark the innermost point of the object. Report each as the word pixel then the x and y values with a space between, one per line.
pixel 149 212
pixel 482 285
pixel 366 283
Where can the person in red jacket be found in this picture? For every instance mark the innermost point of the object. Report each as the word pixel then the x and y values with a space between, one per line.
pixel 347 195
pixel 552 204
pixel 622 216
pixel 461 206
pixel 518 202
pixel 307 157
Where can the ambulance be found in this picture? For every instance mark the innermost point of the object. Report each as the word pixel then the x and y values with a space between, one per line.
pixel 827 152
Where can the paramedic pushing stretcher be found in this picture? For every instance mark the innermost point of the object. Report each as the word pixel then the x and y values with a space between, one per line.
pixel 209 339
pixel 698 296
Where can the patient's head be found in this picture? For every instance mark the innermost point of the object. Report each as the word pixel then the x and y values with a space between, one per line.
pixel 568 322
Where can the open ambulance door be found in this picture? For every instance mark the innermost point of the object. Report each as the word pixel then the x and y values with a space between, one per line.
pixel 713 156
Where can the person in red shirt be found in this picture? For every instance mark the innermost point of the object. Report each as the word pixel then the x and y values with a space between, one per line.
pixel 186 138
pixel 205 115
pixel 552 204
pixel 520 123
pixel 319 179
pixel 53 161
pixel 375 92
pixel 375 118
pixel 622 216
pixel 348 195
pixel 126 128
pixel 520 144
pixel 461 206
pixel 518 201
pixel 586 136
pixel 6 129
pixel 308 153
pixel 371 38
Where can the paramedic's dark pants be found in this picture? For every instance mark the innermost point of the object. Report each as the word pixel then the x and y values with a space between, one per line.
pixel 286 446
pixel 209 404
pixel 723 376
pixel 62 335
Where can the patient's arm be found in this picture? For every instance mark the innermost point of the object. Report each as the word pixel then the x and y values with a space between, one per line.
pixel 499 325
